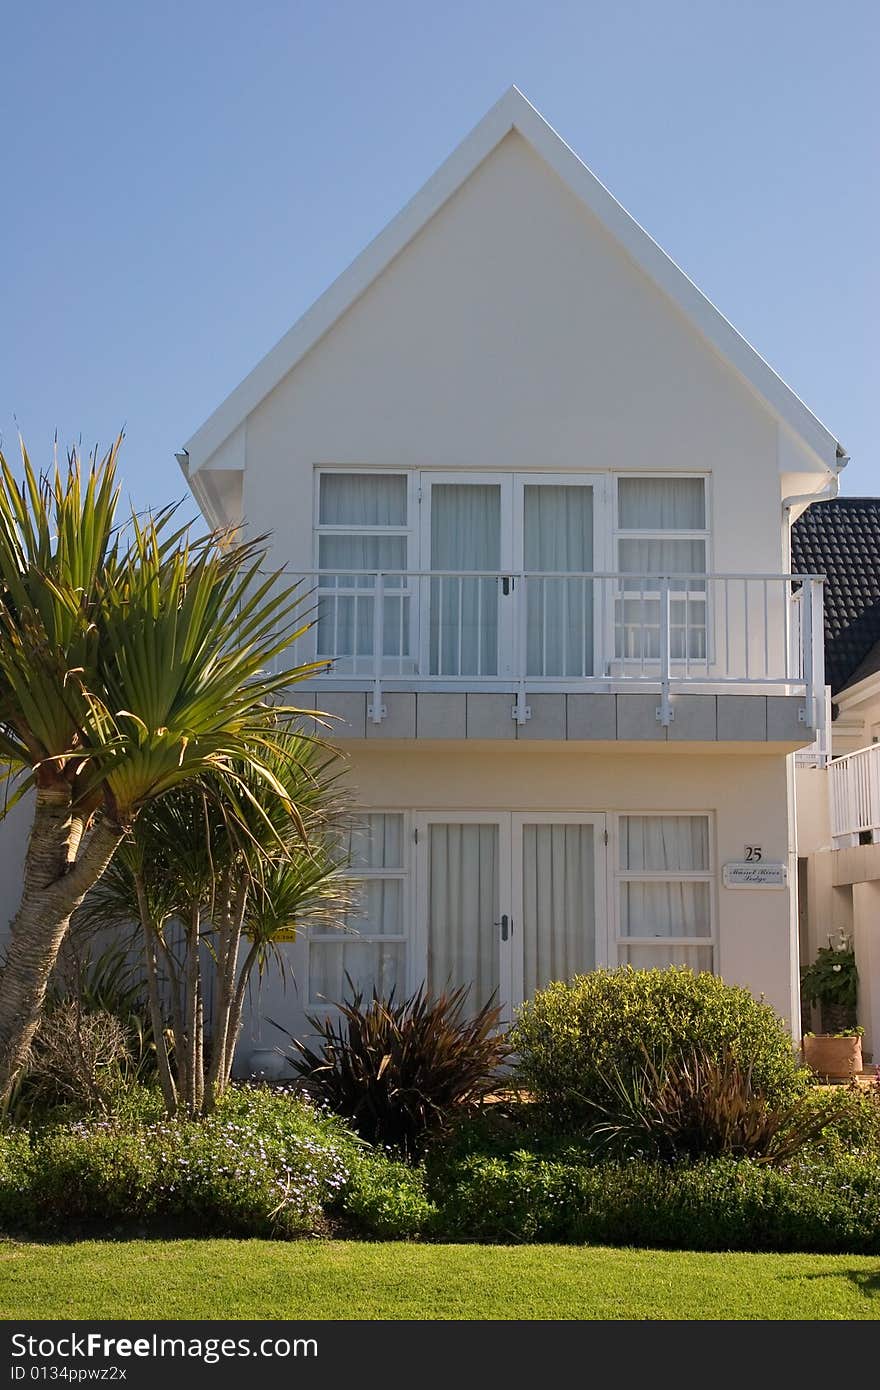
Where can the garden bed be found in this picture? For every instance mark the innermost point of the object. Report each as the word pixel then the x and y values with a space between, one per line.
pixel 270 1164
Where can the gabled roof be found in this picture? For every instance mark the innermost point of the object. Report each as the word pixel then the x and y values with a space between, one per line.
pixel 512 112
pixel 841 540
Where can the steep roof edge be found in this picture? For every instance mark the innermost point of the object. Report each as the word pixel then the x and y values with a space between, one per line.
pixel 512 112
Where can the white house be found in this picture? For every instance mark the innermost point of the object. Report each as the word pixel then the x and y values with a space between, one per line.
pixel 541 491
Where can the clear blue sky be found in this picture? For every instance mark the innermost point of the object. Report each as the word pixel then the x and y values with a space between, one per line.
pixel 166 166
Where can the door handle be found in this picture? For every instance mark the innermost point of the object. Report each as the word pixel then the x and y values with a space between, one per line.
pixel 506 925
pixel 507 584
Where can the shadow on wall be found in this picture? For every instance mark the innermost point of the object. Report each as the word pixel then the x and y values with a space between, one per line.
pixel 13 842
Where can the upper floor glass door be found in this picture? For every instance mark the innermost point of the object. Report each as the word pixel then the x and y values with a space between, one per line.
pixel 509 556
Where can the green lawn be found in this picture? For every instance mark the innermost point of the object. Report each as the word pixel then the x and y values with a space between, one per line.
pixel 339 1279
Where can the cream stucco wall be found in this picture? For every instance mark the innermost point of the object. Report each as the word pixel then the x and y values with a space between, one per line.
pixel 813 810
pixel 14 830
pixel 513 333
pixel 746 797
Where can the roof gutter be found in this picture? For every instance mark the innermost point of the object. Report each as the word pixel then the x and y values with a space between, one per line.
pixel 825 495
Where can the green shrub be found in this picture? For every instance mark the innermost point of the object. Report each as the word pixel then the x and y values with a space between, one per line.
pixel 388 1199
pixel 396 1072
pixel 832 978
pixel 15 1154
pixel 83 1172
pixel 720 1204
pixel 263 1165
pixel 849 1117
pixel 573 1038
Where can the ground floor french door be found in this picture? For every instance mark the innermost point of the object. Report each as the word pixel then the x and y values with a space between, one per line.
pixel 507 902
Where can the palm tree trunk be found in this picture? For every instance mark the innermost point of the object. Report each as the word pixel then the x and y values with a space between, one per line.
pixel 192 1011
pixel 151 936
pixel 250 961
pixel 230 940
pixel 178 1026
pixel 200 1048
pixel 53 889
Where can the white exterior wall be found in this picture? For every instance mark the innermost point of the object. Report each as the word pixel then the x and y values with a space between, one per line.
pixel 514 334
pixel 13 843
pixel 858 721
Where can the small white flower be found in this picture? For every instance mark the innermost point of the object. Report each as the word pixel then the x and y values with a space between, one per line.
pixel 837 967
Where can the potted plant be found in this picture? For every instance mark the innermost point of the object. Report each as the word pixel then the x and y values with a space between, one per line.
pixel 831 982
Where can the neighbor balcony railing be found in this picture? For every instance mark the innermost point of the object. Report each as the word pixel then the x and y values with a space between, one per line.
pixel 855 798
pixel 522 631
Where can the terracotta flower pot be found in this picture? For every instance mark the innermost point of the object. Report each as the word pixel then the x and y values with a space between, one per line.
pixel 836 1058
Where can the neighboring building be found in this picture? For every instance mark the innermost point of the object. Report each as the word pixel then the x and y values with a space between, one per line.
pixel 838 804
pixel 542 491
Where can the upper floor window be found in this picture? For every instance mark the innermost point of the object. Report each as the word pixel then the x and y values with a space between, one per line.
pixel 362 521
pixel 661 525
pixel 661 533
pixel 362 530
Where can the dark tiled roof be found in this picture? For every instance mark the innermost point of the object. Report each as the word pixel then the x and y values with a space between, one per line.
pixel 841 539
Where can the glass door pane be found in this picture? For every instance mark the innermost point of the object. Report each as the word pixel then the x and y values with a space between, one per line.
pixel 558 542
pixel 463 874
pixel 559 902
pixel 465 535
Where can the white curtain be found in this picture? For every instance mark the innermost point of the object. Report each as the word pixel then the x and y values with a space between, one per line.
pixel 658 505
pixel 655 958
pixel 345 619
pixel 664 843
pixel 370 965
pixel 362 499
pixel 375 843
pixel 653 557
pixel 665 907
pixel 465 535
pixel 558 535
pixel 661 504
pixel 559 920
pixel 463 909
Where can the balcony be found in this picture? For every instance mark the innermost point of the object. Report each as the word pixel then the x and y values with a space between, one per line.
pixel 527 636
pixel 855 798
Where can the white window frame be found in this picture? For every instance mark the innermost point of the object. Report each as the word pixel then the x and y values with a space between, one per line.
pixel 340 937
pixel 620 533
pixel 410 532
pixel 619 876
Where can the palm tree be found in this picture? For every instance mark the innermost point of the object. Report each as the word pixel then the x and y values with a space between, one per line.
pixel 131 662
pixel 217 882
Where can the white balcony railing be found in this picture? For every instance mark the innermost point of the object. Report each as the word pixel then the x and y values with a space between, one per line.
pixel 855 798
pixel 521 632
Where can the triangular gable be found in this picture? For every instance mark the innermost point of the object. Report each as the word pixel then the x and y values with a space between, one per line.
pixel 512 112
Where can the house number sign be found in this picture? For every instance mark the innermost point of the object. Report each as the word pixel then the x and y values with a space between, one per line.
pixel 754 873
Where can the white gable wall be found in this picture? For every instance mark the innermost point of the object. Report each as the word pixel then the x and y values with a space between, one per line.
pixel 513 333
